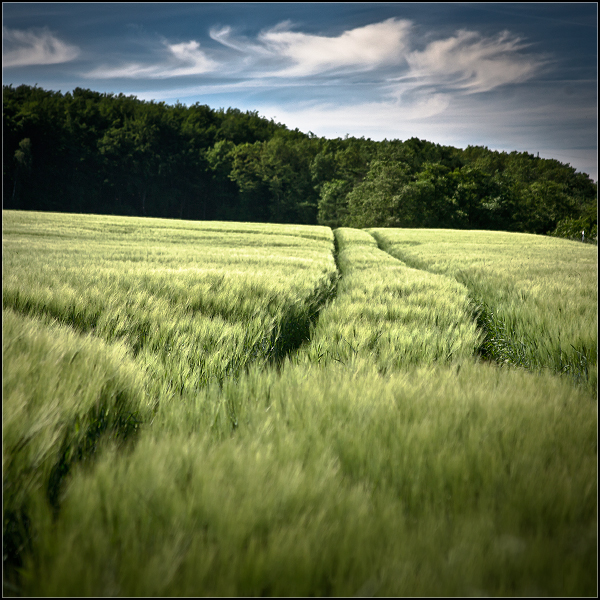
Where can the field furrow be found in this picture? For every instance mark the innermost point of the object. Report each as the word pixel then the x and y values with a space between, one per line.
pixel 391 314
pixel 61 393
pixel 192 302
pixel 536 297
pixel 184 305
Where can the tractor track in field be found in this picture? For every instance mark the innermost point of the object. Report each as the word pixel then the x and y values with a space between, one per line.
pixel 500 343
pixel 480 312
pixel 285 338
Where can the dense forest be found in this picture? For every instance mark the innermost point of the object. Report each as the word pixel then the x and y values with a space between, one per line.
pixel 90 152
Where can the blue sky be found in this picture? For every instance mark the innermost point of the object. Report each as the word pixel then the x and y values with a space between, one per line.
pixel 519 76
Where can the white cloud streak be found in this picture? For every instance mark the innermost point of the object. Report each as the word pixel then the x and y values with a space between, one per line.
pixel 241 44
pixel 182 59
pixel 34 47
pixel 377 120
pixel 367 47
pixel 470 63
pixel 466 62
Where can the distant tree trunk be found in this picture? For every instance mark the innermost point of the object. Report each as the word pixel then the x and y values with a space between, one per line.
pixel 14 194
pixel 23 160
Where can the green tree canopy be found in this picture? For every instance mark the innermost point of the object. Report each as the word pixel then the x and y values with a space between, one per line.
pixel 92 152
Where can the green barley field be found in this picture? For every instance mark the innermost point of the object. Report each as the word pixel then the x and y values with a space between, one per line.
pixel 210 409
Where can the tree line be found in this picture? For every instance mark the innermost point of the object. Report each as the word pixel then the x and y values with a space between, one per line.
pixel 91 152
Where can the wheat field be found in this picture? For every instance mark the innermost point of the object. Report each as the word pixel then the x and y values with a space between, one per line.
pixel 213 409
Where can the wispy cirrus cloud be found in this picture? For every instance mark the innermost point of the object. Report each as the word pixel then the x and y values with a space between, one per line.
pixel 21 48
pixel 225 36
pixel 295 54
pixel 471 63
pixel 177 60
pixel 369 47
pixel 466 62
